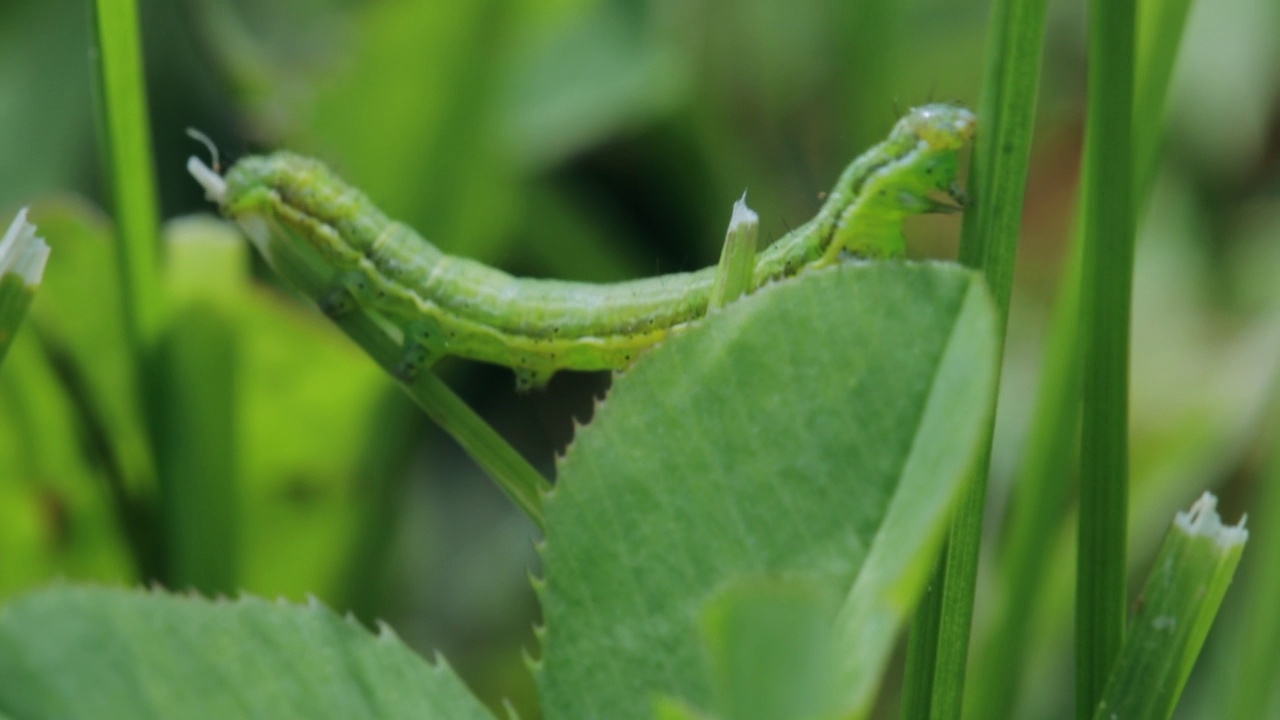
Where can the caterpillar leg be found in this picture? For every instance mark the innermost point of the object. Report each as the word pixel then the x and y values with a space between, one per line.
pixel 424 344
pixel 415 360
pixel 348 291
pixel 530 379
pixel 738 258
pixel 337 301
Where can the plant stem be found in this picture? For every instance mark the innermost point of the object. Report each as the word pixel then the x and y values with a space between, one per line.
pixel 122 105
pixel 922 650
pixel 1043 482
pixel 989 242
pixel 514 475
pixel 1042 488
pixel 1160 29
pixel 196 370
pixel 1107 288
pixel 517 478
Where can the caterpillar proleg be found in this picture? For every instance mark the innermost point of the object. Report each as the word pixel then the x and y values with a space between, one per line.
pixel 442 304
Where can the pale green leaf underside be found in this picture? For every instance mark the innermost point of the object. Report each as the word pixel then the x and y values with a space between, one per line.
pixel 817 430
pixel 96 653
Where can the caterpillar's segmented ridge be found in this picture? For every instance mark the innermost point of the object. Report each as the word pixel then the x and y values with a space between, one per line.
pixel 444 304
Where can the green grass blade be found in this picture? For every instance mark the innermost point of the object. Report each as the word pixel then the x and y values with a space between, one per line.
pixel 22 260
pixel 1160 28
pixel 1002 151
pixel 514 475
pixel 1107 284
pixel 194 391
pixel 127 131
pixel 922 650
pixel 1043 482
pixel 989 242
pixel 1043 487
pixel 1178 603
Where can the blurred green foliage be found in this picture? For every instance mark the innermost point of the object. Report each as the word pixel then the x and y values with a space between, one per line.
pixel 589 139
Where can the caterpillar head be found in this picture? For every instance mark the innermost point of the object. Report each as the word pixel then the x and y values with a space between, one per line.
pixel 925 145
pixel 913 171
pixel 940 126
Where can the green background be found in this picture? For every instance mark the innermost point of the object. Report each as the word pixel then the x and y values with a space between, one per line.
pixel 588 140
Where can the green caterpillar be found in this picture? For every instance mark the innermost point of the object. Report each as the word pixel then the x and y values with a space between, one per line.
pixel 443 304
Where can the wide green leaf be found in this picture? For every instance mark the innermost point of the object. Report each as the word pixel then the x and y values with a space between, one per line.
pixel 818 430
pixel 100 653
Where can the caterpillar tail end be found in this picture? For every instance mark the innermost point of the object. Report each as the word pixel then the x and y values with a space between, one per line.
pixel 215 187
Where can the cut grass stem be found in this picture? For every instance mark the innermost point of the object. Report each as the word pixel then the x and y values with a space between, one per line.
pixel 1107 285
pixel 126 129
pixel 939 649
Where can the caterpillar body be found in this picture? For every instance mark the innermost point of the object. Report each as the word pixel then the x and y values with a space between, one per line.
pixel 443 304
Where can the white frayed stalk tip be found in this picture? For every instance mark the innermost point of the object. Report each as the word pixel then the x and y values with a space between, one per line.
pixel 1203 519
pixel 22 252
pixel 742 216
